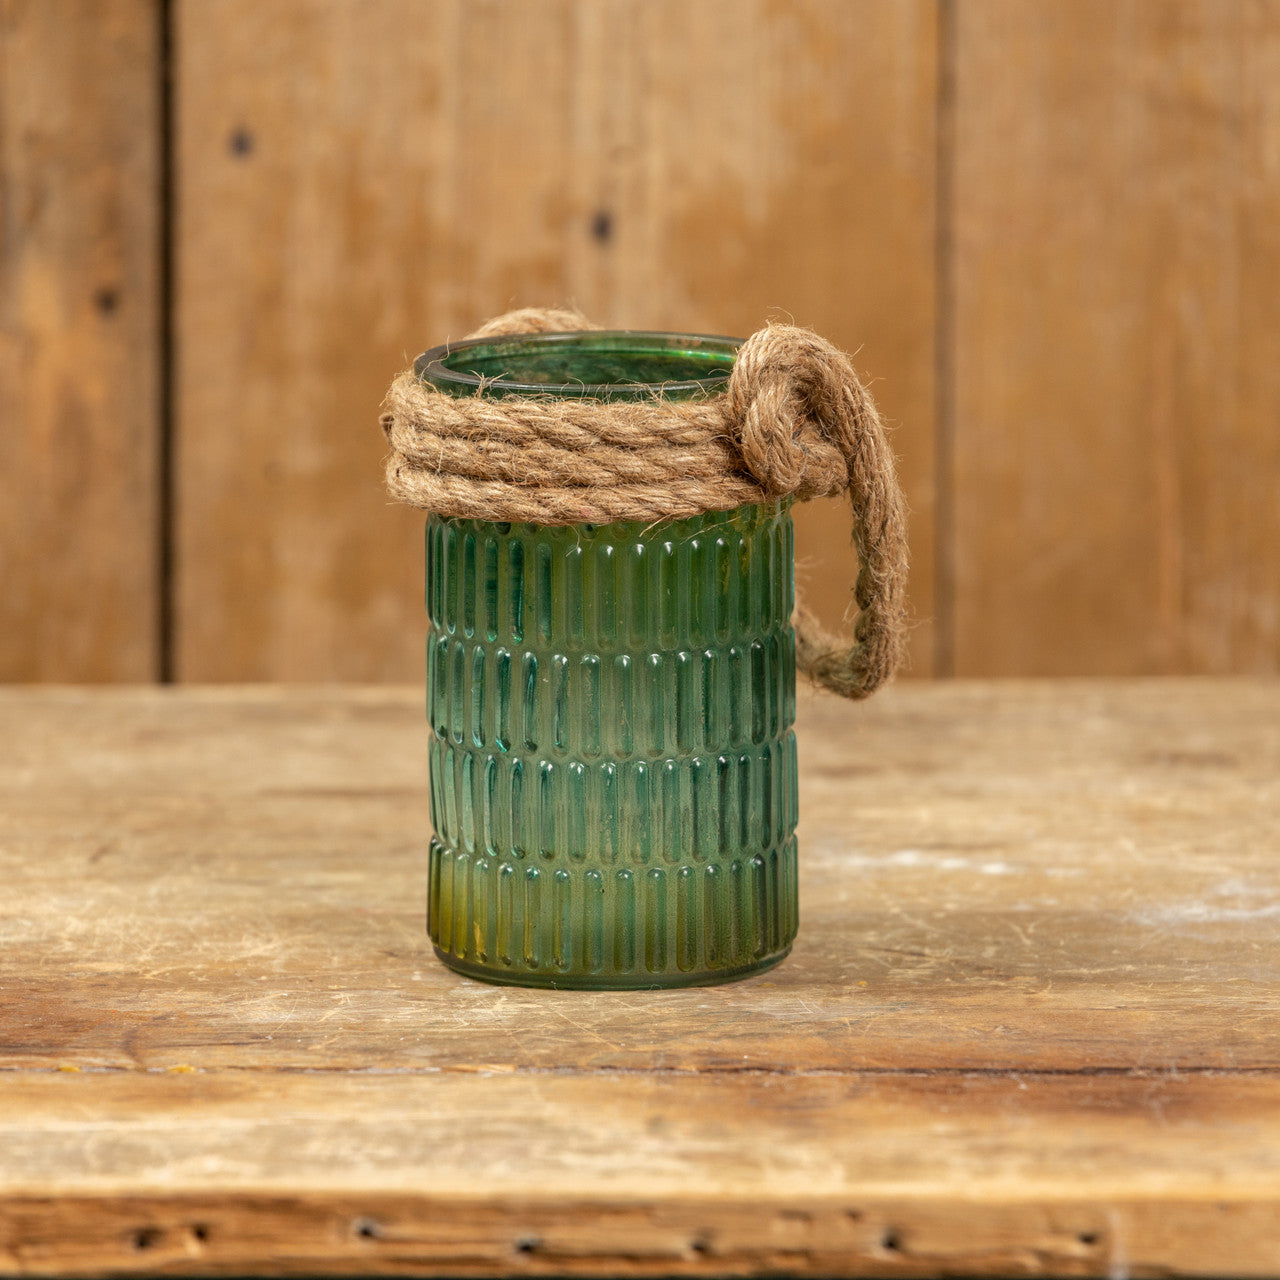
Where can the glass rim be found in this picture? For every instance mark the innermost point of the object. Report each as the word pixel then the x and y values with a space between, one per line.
pixel 438 365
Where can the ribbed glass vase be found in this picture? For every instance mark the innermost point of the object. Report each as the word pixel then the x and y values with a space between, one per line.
pixel 613 764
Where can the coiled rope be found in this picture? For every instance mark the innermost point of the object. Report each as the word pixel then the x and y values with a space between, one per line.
pixel 794 420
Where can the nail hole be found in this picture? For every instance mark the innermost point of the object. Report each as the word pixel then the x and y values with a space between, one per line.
pixel 700 1246
pixel 1088 1237
pixel 200 1232
pixel 241 142
pixel 602 226
pixel 527 1244
pixel 367 1229
pixel 891 1241
pixel 146 1237
pixel 106 299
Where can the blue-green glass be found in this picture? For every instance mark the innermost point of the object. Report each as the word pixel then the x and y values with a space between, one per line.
pixel 613 764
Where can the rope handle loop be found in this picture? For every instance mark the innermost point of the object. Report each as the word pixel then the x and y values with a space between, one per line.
pixel 794 420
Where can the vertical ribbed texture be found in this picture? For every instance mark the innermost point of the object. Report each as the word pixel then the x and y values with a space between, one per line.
pixel 613 767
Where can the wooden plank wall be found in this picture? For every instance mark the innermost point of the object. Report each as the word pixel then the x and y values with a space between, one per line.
pixel 80 245
pixel 1116 451
pixel 420 168
pixel 1046 229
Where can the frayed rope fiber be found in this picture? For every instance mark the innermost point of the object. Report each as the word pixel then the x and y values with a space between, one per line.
pixel 794 421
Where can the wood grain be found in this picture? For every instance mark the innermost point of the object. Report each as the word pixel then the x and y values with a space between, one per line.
pixel 215 1173
pixel 1074 877
pixel 79 339
pixel 1111 194
pixel 1030 1026
pixel 776 160
pixel 1116 198
pixel 423 167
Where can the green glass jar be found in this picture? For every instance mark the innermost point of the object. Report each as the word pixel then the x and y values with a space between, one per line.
pixel 613 763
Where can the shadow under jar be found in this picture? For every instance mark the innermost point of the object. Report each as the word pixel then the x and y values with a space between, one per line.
pixel 613 763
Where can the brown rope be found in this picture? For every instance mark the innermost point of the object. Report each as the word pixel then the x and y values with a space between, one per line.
pixel 794 421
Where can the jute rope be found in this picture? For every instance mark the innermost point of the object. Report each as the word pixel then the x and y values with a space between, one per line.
pixel 793 421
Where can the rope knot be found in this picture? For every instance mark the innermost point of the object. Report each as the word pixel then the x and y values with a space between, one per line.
pixel 787 399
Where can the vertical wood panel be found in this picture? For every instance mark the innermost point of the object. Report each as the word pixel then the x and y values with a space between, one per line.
pixel 777 159
pixel 1118 386
pixel 79 316
pixel 357 182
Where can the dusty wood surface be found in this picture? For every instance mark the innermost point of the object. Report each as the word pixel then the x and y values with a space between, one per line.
pixel 1116 194
pixel 1030 1026
pixel 661 164
pixel 79 339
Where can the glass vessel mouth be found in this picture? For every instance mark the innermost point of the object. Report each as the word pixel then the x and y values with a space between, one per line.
pixel 593 364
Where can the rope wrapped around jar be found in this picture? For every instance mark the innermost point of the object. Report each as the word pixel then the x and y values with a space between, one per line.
pixel 793 421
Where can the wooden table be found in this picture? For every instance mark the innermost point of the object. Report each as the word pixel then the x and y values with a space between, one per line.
pixel 1030 1026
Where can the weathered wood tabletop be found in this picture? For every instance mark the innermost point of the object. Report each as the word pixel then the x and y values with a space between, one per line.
pixel 1031 1025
